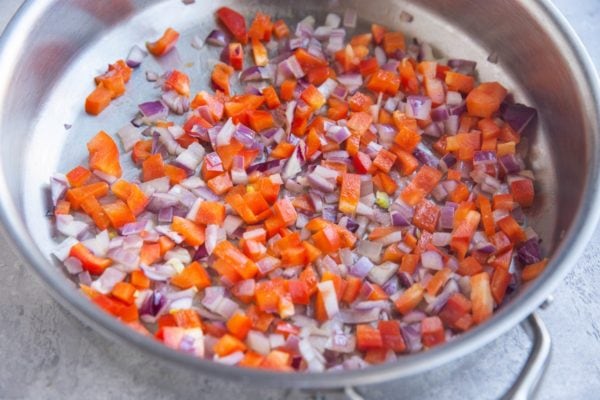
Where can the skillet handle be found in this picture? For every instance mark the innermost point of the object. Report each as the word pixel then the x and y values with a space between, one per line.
pixel 532 373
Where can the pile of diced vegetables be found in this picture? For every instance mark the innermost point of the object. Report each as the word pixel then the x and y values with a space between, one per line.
pixel 358 201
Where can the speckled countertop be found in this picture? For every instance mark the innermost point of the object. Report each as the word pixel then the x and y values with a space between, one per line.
pixel 48 354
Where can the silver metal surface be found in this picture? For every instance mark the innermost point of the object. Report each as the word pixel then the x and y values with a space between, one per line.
pixel 532 373
pixel 53 48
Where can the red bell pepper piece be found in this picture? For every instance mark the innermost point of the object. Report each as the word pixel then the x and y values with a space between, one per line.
pixel 104 155
pixel 234 22
pixel 432 331
pixel 91 263
pixel 163 45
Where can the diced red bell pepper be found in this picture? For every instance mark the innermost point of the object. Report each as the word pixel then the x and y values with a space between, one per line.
pixel 391 335
pixel 118 213
pixel 220 77
pixel 284 209
pixel 422 184
pixel 410 298
pixel 384 81
pixel 280 29
pixel 481 297
pixel 426 216
pixel 349 193
pixel 523 192
pixel 327 240
pixel 236 56
pixel 194 275
pixel 511 228
pixel 228 344
pixel 485 99
pixel 104 155
pixel 210 212
pixel 239 324
pixel 432 331
pixel 532 271
pixel 78 176
pixel 454 312
pixel 234 22
pixel 368 337
pixel 192 233
pixel 261 27
pixel 91 263
pixel 179 82
pixel 163 45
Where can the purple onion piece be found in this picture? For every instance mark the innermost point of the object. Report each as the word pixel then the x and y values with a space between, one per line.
pixel 518 116
pixel 217 38
pixel 484 157
pixel 153 304
pixel 510 164
pixel 466 67
pixel 419 107
pixel 135 57
pixel 154 110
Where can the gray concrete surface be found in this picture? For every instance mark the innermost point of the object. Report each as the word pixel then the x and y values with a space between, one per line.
pixel 48 354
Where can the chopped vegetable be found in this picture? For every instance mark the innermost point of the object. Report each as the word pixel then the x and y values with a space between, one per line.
pixel 356 200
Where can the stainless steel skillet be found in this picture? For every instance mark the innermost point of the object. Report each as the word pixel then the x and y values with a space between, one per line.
pixel 52 48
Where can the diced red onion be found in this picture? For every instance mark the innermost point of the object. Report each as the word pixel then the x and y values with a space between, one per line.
pixel 177 103
pixel 441 239
pixel 58 187
pixel 380 55
pixel 154 110
pixel 432 260
pixel 109 278
pixel 217 38
pixel 68 226
pixel 258 342
pixel 359 316
pixel 351 81
pixel 451 124
pixel 369 249
pixel 73 265
pixel 466 67
pixel 191 157
pixel 290 68
pixel 424 155
pixel 510 164
pixel 129 136
pixel 419 107
pixel 136 56
pixel 361 268
pixel 518 116
pixel 230 359
pixel 380 274
pixel 350 17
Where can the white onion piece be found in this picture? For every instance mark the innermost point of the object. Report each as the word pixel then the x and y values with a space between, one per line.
pixel 330 301
pixel 179 253
pixel 230 359
pixel 432 260
pixel 258 342
pixel 68 226
pixel 380 274
pixel 98 245
pixel 158 185
pixel 369 249
pixel 129 136
pixel 333 20
pixel 212 235
pixel 107 281
pixel 73 265
pixel 192 156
